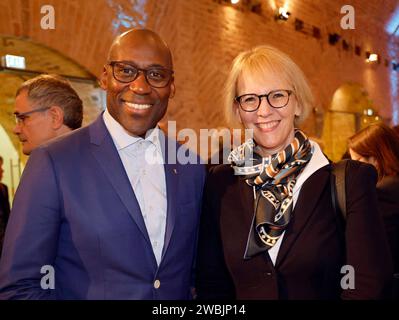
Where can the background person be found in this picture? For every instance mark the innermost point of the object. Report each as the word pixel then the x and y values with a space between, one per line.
pixel 378 145
pixel 46 107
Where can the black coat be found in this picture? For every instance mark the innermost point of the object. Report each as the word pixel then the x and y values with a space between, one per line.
pixel 388 201
pixel 4 211
pixel 4 203
pixel 316 244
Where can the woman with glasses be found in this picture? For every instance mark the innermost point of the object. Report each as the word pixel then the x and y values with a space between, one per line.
pixel 268 228
pixel 378 145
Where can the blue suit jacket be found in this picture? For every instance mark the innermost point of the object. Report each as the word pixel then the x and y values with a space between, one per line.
pixel 76 211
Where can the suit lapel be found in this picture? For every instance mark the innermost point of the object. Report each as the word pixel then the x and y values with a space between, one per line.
pixel 106 154
pixel 171 177
pixel 309 195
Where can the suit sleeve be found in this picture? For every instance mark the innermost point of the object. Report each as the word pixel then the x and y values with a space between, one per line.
pixel 367 247
pixel 32 233
pixel 213 280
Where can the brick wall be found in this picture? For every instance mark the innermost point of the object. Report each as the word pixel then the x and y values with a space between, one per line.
pixel 205 35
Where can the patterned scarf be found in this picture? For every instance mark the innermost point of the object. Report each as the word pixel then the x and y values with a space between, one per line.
pixel 273 179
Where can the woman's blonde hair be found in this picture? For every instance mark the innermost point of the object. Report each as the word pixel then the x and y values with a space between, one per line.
pixel 261 60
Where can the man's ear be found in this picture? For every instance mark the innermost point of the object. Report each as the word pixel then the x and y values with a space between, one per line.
pixel 103 79
pixel 172 89
pixel 57 117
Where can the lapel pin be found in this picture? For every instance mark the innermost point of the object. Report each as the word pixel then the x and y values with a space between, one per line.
pixel 175 171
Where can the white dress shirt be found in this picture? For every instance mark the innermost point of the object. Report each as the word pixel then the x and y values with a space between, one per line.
pixel 143 163
pixel 317 161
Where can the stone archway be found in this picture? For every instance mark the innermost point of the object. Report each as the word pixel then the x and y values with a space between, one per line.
pixel 350 110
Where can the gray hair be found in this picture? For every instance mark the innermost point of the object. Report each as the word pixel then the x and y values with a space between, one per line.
pixel 53 90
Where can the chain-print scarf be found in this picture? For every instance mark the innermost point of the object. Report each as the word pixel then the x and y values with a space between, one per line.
pixel 273 179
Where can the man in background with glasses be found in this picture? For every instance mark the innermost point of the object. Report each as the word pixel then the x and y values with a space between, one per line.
pixel 111 223
pixel 46 107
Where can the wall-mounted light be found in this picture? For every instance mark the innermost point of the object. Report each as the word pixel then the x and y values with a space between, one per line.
pixel 345 45
pixel 333 38
pixel 299 24
pixel 234 1
pixel 11 61
pixel 316 32
pixel 282 14
pixel 371 57
pixel 358 50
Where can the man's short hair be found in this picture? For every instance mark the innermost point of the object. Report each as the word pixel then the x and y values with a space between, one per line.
pixel 53 90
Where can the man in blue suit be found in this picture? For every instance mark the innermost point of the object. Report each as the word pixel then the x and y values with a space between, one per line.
pixel 97 215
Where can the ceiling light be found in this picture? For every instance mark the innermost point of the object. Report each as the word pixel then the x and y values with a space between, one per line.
pixel 282 14
pixel 368 112
pixel 371 57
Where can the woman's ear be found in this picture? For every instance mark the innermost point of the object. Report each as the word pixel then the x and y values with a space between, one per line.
pixel 237 112
pixel 298 109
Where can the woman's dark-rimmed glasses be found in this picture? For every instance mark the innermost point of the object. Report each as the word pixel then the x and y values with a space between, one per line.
pixel 276 99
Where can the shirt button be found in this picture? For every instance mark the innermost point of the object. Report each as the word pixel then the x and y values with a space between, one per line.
pixel 155 244
pixel 268 274
pixel 157 284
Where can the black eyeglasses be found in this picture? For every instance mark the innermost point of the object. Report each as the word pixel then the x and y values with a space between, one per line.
pixel 156 77
pixel 276 99
pixel 20 117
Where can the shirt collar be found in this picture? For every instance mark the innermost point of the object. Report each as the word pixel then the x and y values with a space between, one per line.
pixel 122 139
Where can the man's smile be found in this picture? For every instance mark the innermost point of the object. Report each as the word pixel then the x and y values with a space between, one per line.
pixel 137 106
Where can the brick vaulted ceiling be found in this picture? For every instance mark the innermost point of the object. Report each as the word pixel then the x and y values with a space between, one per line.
pixel 205 35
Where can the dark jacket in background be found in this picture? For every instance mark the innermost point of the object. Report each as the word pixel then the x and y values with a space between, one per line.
pixel 4 211
pixel 388 200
